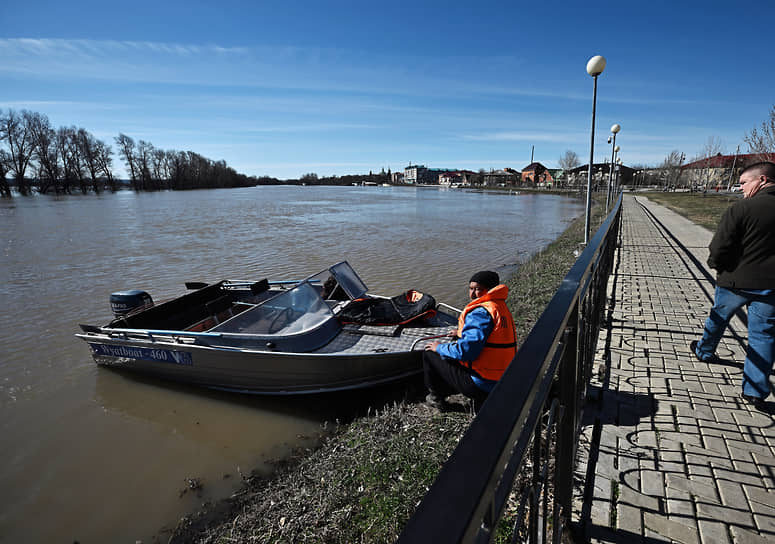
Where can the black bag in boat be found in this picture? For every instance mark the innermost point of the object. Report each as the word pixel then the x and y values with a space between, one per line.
pixel 398 310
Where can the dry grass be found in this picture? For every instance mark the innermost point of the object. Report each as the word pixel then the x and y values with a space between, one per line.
pixel 703 209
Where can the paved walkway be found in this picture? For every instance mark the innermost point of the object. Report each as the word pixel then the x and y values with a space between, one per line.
pixel 670 453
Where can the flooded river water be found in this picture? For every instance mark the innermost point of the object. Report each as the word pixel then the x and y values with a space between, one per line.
pixel 91 455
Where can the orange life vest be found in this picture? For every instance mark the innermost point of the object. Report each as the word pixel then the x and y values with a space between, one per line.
pixel 501 346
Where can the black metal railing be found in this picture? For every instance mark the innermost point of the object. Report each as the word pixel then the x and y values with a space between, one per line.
pixel 517 457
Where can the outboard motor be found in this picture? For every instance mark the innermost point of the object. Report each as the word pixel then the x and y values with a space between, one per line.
pixel 123 302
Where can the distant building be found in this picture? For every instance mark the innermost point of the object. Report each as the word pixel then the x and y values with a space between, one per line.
pixel 397 177
pixel 506 176
pixel 536 173
pixel 419 174
pixel 557 176
pixel 720 170
pixel 600 172
pixel 451 178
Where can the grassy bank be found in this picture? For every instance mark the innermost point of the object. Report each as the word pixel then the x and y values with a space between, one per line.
pixel 703 209
pixel 366 478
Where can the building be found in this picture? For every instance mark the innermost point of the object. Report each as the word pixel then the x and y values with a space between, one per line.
pixel 413 174
pixel 419 174
pixel 536 173
pixel 600 174
pixel 506 176
pixel 720 170
pixel 451 178
pixel 557 176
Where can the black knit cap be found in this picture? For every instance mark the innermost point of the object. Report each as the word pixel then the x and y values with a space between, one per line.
pixel 486 278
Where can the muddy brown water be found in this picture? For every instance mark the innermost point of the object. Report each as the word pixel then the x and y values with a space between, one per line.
pixel 93 455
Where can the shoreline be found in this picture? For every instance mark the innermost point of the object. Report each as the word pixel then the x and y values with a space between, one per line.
pixel 366 476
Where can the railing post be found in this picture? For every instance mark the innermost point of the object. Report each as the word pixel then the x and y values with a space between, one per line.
pixel 568 421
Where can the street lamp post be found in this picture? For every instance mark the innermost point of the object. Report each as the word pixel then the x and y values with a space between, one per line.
pixel 611 140
pixel 595 67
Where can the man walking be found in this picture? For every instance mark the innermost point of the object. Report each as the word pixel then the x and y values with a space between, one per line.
pixel 743 254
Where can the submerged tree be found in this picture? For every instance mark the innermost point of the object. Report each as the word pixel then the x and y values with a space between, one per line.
pixel 15 132
pixel 5 162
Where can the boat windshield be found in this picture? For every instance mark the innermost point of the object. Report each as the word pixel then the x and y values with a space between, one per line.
pixel 348 279
pixel 297 310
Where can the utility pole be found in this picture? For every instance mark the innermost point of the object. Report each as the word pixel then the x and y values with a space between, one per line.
pixel 732 172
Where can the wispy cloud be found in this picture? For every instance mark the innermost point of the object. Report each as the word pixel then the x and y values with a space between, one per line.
pixel 516 136
pixel 54 46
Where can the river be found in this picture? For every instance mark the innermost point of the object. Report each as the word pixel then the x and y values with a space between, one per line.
pixel 92 455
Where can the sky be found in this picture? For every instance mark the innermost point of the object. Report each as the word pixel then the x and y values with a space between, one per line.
pixel 287 88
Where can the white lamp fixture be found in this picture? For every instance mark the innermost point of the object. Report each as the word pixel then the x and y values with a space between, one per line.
pixel 595 67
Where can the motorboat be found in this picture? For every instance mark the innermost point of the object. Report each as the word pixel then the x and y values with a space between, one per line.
pixel 322 333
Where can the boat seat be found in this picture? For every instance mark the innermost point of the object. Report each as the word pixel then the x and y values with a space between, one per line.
pixel 220 308
pixel 259 286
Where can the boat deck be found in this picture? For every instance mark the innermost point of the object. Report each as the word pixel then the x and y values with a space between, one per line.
pixel 381 339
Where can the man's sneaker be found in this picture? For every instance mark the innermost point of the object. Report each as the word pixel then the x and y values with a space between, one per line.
pixel 435 401
pixel 713 359
pixel 757 402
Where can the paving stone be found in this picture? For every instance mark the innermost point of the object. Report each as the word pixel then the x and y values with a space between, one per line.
pixel 731 493
pixel 681 531
pixel 737 515
pixel 758 495
pixel 715 444
pixel 701 489
pixel 713 532
pixel 631 497
pixel 629 518
pixel 747 536
pixel 652 483
pixel 745 473
pixel 679 503
pixel 764 518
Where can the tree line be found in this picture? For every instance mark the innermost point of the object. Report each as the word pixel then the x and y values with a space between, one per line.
pixel 69 159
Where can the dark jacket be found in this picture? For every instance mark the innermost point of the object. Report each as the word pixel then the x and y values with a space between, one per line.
pixel 743 249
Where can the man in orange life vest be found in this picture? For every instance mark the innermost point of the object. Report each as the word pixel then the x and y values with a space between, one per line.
pixel 486 343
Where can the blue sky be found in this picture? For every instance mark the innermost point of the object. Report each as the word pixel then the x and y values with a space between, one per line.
pixel 289 87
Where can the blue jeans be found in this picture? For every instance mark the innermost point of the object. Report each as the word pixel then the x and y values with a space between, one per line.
pixel 760 352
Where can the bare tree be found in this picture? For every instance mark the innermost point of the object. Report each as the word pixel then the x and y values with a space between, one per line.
pixel 88 147
pixel 177 168
pixel 761 141
pixel 126 150
pixel 104 159
pixel 48 163
pixel 671 168
pixel 159 167
pixel 5 166
pixel 713 147
pixel 568 161
pixel 144 156
pixel 72 160
pixel 15 132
